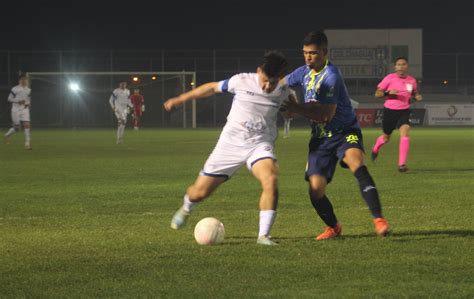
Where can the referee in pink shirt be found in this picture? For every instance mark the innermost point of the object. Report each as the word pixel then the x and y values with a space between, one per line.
pixel 397 88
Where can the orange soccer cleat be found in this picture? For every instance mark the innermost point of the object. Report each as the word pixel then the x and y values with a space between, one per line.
pixel 330 232
pixel 381 227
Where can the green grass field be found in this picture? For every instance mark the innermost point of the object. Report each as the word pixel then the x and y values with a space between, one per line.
pixel 83 217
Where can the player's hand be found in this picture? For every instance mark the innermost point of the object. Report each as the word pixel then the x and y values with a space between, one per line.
pixel 22 102
pixel 172 103
pixel 418 97
pixel 289 106
pixel 392 92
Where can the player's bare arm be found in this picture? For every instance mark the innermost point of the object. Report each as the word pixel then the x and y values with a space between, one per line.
pixel 315 111
pixel 380 93
pixel 202 91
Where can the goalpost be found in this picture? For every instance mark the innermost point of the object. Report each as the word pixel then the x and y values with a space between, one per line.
pixel 81 98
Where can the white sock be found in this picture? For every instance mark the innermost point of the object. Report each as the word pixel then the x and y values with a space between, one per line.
pixel 287 127
pixel 10 132
pixel 27 136
pixel 122 130
pixel 187 204
pixel 266 221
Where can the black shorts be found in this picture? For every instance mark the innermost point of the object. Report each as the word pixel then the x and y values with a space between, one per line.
pixel 324 153
pixel 394 119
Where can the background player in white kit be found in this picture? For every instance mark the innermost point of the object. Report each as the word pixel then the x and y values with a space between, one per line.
pixel 21 101
pixel 119 102
pixel 247 138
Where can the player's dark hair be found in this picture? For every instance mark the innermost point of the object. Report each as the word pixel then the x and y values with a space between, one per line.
pixel 274 64
pixel 317 38
pixel 400 58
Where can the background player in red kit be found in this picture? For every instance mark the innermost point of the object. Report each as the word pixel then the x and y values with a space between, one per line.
pixel 138 107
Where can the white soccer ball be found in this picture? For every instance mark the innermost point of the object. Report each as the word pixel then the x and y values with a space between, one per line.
pixel 209 231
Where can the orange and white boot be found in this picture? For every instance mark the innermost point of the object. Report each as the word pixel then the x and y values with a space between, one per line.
pixel 381 227
pixel 330 232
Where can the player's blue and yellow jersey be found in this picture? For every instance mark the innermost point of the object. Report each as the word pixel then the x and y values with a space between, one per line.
pixel 326 87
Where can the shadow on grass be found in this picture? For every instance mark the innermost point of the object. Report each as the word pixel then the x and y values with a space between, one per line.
pixel 442 170
pixel 403 236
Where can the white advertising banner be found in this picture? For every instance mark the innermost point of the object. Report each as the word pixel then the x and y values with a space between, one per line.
pixel 450 114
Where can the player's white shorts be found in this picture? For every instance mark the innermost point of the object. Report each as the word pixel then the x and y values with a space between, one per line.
pixel 121 114
pixel 226 158
pixel 19 115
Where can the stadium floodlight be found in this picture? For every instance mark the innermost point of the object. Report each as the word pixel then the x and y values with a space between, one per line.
pixel 74 86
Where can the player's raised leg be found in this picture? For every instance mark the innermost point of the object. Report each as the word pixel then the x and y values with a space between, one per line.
pixel 266 172
pixel 379 142
pixel 354 159
pixel 10 132
pixel 323 207
pixel 404 147
pixel 197 192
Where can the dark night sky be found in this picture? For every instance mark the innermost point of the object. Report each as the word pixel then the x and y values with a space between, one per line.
pixel 44 25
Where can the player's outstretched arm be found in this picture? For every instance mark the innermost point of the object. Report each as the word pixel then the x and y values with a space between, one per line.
pixel 202 91
pixel 315 111
pixel 112 101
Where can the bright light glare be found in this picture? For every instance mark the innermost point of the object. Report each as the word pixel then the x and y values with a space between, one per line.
pixel 74 86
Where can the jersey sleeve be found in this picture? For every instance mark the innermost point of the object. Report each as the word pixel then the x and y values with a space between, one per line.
pixel 330 89
pixel 12 96
pixel 296 78
pixel 383 85
pixel 228 85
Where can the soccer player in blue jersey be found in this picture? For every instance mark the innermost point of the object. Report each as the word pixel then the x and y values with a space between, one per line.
pixel 336 135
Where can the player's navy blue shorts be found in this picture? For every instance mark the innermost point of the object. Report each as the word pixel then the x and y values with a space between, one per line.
pixel 324 153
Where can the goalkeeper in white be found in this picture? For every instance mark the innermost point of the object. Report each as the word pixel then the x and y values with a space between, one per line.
pixel 21 101
pixel 119 102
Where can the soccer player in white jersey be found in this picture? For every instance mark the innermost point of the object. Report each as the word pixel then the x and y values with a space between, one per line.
pixel 119 102
pixel 247 138
pixel 21 101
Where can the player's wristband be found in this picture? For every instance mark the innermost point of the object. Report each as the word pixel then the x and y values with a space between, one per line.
pixel 386 93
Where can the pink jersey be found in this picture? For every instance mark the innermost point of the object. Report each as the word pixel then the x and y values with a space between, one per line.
pixel 405 87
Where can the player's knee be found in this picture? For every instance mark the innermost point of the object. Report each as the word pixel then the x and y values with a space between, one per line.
pixel 386 138
pixel 270 183
pixel 317 192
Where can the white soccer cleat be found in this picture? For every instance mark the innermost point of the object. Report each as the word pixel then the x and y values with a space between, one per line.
pixel 179 219
pixel 264 240
pixel 119 141
pixel 28 146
